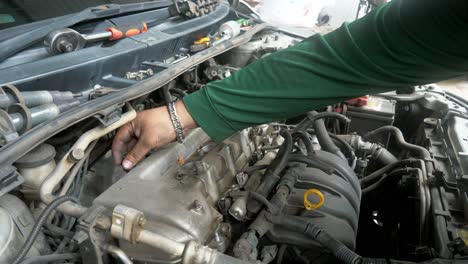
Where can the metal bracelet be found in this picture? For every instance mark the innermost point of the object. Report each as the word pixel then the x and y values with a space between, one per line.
pixel 176 121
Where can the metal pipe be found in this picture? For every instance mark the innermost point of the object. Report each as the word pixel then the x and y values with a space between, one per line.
pixel 36 98
pixel 244 140
pixel 169 246
pixel 118 253
pixel 76 153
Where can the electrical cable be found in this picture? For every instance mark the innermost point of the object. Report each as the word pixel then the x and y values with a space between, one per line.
pixel 51 258
pixel 37 227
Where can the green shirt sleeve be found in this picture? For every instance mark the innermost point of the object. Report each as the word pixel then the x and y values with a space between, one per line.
pixel 401 44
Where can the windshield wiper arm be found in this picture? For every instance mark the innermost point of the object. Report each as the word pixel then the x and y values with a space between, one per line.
pixel 23 40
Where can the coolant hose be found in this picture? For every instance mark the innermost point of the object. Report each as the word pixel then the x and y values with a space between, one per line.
pixel 324 139
pixel 281 159
pixel 304 137
pixel 315 119
pixel 400 139
pixel 272 173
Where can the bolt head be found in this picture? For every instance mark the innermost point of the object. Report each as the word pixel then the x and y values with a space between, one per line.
pixel 65 46
pixel 76 155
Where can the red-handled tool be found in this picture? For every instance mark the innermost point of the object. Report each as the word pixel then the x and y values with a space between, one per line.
pixel 127 31
pixel 68 40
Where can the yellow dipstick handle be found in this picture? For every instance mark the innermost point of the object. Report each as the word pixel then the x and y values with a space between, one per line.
pixel 313 206
pixel 202 41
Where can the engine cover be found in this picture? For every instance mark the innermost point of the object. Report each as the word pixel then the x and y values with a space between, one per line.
pixel 177 188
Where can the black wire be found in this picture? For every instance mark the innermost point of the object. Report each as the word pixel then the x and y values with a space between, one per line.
pixel 257 197
pixel 50 258
pixel 37 227
pixel 280 255
pixel 251 169
pixel 395 173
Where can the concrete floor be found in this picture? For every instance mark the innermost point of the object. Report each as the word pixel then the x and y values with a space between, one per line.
pixel 457 86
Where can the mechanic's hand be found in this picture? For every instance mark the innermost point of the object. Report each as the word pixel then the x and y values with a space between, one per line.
pixel 150 129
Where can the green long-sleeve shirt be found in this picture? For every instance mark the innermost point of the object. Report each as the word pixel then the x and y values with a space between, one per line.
pixel 402 44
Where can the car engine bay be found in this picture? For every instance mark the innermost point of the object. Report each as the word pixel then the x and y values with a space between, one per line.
pixel 377 179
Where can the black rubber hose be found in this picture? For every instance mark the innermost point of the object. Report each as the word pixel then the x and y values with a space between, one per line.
pixel 385 177
pixel 385 157
pixel 254 168
pixel 181 93
pixel 304 137
pixel 281 159
pixel 50 258
pixel 37 227
pixel 348 149
pixel 272 173
pixel 343 145
pixel 371 178
pixel 440 230
pixel 325 141
pixel 400 139
pixel 59 231
pixel 313 116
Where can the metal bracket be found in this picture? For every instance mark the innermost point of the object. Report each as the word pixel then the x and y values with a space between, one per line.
pixel 9 179
pixel 125 221
pixel 109 115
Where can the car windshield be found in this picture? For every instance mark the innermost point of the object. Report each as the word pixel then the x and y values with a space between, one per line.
pixel 18 12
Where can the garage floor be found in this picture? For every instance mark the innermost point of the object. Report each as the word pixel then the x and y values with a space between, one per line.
pixel 457 86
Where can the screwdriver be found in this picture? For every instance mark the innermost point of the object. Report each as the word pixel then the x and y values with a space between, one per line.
pixel 68 40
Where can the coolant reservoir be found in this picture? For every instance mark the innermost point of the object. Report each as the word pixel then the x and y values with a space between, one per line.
pixel 35 166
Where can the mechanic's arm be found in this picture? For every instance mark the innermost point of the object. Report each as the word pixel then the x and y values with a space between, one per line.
pixel 402 44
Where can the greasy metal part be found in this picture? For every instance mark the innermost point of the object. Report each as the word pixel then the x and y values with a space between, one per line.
pixel 435 102
pixel 227 31
pixel 66 163
pixel 130 224
pixel 19 119
pixel 63 41
pixel 11 152
pixel 38 115
pixel 193 176
pixel 10 95
pixel 191 9
pixel 238 209
pixel 118 253
pixel 171 247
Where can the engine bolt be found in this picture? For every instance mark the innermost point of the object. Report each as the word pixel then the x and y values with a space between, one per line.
pixel 197 205
pixel 76 155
